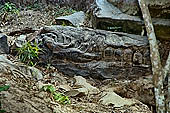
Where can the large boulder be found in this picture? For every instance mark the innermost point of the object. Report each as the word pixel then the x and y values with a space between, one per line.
pixel 106 16
pixel 158 8
pixel 96 53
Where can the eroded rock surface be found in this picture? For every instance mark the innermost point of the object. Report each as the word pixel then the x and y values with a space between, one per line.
pixel 158 8
pixel 96 53
pixel 107 16
pixel 19 69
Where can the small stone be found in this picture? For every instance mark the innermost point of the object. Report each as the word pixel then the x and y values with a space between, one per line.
pixel 114 99
pixel 36 73
pixel 39 85
pixel 75 93
pixel 85 87
pixel 34 87
pixel 4 48
pixel 42 95
pixel 48 100
pixel 20 40
pixel 65 87
pixel 76 19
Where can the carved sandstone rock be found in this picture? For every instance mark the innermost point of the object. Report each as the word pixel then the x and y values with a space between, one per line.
pixel 96 53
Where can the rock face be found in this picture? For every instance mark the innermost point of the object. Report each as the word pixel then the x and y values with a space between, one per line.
pixel 96 53
pixel 158 8
pixel 106 16
pixel 4 48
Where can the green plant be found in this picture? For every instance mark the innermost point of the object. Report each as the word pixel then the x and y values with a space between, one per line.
pixel 35 6
pixel 114 28
pixel 9 8
pixel 3 88
pixel 49 88
pixel 64 11
pixel 28 53
pixel 59 97
pixel 2 111
pixel 64 24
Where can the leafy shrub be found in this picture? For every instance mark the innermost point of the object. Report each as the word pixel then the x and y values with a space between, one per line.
pixel 28 53
pixel 35 6
pixel 9 8
pixel 4 88
pixel 61 98
pixel 49 88
pixel 5 12
pixel 64 11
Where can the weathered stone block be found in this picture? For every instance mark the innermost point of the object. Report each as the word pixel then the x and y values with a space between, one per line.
pixel 96 53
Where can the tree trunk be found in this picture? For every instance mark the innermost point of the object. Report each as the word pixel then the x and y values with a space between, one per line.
pixel 168 98
pixel 155 59
pixel 167 75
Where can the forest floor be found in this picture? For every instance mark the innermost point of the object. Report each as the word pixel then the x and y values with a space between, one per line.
pixel 27 96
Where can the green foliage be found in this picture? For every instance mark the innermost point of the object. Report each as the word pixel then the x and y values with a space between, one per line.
pixel 28 53
pixel 60 98
pixel 49 88
pixel 64 24
pixel 64 11
pixel 35 6
pixel 9 8
pixel 2 111
pixel 3 88
pixel 114 28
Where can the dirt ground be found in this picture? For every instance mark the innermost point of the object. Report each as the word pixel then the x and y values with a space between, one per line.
pixel 26 96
